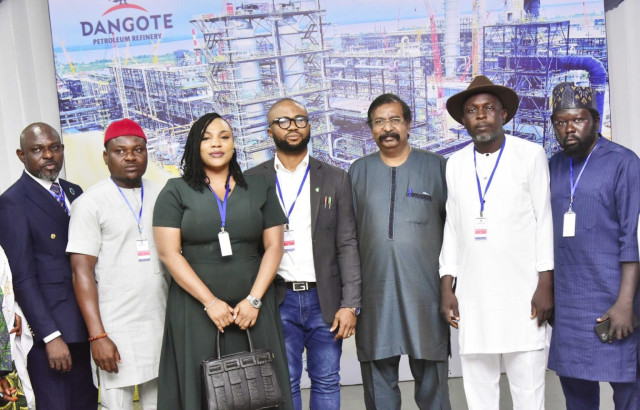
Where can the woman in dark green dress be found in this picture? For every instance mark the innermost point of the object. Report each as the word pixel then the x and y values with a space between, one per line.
pixel 211 211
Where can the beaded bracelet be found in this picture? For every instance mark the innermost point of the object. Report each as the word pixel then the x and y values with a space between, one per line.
pixel 210 304
pixel 100 336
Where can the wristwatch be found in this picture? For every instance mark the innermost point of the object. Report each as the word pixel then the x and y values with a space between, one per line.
pixel 255 302
pixel 355 311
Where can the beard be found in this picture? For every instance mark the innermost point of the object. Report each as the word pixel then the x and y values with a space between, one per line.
pixel 485 137
pixel 284 145
pixel 48 175
pixel 127 182
pixel 582 147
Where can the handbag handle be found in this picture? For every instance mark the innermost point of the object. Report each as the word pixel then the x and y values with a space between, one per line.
pixel 218 342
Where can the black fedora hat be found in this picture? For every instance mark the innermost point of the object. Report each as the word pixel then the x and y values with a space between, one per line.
pixel 479 85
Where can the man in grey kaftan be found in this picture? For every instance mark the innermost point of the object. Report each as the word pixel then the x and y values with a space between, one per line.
pixel 399 198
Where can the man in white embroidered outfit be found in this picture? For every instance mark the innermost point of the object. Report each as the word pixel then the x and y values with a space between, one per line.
pixel 120 287
pixel 498 243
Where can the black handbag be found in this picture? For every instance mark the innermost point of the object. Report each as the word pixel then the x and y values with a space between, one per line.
pixel 240 381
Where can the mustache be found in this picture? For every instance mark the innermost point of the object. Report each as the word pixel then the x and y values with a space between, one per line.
pixel 566 138
pixel 392 134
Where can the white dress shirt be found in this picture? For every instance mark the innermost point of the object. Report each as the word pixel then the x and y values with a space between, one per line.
pixel 296 265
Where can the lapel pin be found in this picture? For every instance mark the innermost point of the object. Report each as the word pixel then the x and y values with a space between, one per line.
pixel 53 236
pixel 317 189
pixel 72 191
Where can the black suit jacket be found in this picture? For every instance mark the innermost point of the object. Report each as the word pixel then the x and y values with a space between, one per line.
pixel 33 233
pixel 333 231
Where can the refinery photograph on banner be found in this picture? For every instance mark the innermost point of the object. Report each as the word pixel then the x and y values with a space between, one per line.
pixel 165 63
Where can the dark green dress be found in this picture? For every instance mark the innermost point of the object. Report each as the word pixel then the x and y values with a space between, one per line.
pixel 189 334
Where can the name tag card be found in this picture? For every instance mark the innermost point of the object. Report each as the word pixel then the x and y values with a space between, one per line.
pixel 480 229
pixel 225 243
pixel 569 225
pixel 289 241
pixel 144 253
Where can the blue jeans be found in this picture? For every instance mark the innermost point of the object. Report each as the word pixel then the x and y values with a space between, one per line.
pixel 304 327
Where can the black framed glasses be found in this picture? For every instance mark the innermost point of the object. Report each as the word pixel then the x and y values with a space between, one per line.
pixel 301 121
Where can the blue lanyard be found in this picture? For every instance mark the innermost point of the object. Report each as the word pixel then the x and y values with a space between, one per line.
pixel 299 190
pixel 222 206
pixel 139 216
pixel 574 186
pixel 475 164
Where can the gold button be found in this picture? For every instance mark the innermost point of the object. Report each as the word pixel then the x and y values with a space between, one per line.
pixel 53 236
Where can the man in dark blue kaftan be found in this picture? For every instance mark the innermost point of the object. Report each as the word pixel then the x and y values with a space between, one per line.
pixel 595 199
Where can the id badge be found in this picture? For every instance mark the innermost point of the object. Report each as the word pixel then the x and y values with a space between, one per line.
pixel 569 225
pixel 225 243
pixel 480 230
pixel 144 253
pixel 289 241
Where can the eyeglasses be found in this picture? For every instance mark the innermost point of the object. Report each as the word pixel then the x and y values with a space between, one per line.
pixel 381 122
pixel 301 121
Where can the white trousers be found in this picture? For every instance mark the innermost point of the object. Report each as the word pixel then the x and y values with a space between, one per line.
pixel 525 371
pixel 121 398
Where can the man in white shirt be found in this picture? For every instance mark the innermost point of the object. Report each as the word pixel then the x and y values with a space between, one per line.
pixel 498 245
pixel 120 287
pixel 318 281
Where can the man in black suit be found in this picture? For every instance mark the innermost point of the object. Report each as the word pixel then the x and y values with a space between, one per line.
pixel 319 277
pixel 34 215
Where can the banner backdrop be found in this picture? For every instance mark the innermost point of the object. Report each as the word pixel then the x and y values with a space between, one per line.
pixel 164 63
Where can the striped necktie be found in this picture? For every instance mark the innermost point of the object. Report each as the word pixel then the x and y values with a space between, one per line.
pixel 57 194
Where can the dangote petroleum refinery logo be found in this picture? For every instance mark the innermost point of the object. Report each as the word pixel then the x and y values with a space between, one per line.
pixel 125 23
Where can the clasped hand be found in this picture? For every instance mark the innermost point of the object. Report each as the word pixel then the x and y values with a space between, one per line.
pixel 243 314
pixel 9 393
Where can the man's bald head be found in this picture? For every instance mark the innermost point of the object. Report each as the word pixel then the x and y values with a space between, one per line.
pixel 37 128
pixel 281 102
pixel 41 151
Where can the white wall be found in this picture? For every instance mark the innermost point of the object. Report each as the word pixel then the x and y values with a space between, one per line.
pixel 27 78
pixel 623 32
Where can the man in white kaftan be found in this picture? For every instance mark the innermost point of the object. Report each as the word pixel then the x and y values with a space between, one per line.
pixel 121 288
pixel 498 245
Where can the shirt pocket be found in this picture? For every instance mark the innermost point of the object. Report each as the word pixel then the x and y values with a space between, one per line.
pixel 423 195
pixel 419 205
